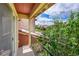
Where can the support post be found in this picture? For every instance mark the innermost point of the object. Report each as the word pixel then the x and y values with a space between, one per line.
pixel 31 29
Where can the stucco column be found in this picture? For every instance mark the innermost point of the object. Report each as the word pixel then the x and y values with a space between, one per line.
pixel 32 25
pixel 31 28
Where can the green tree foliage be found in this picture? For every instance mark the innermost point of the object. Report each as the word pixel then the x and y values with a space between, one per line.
pixel 62 38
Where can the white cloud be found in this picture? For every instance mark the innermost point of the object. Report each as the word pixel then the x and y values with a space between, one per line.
pixel 44 19
pixel 57 8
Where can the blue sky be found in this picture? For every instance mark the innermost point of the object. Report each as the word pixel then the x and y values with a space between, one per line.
pixel 61 10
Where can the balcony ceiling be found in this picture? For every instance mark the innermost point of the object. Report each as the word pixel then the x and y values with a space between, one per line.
pixel 31 10
pixel 24 8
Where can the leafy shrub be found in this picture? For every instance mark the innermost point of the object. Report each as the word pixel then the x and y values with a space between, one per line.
pixel 62 37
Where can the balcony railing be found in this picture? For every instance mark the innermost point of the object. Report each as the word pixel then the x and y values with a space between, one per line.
pixel 39 47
